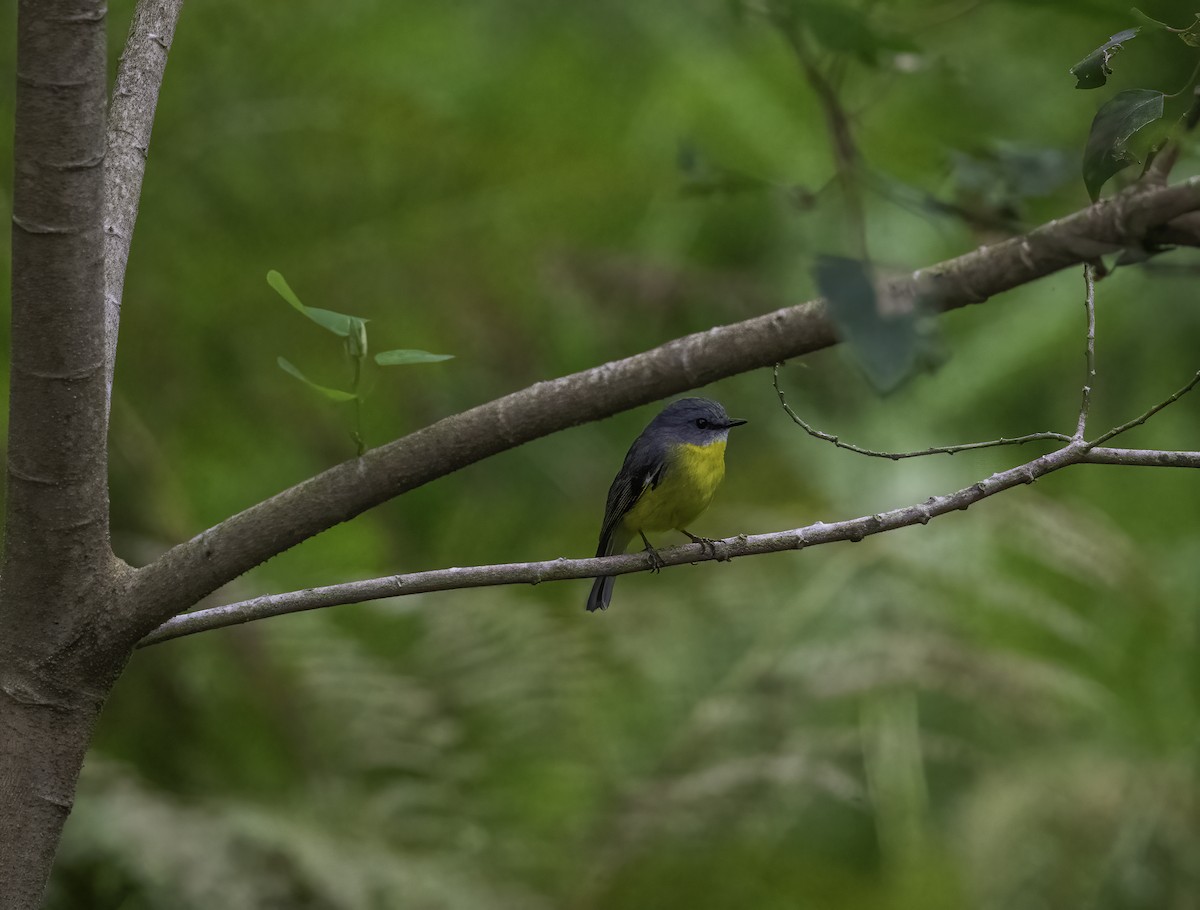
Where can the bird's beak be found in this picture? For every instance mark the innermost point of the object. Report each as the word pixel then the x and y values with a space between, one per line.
pixel 734 422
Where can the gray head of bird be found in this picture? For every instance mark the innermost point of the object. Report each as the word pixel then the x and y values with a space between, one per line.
pixel 699 421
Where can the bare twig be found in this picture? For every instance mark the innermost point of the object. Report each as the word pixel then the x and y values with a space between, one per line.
pixel 533 573
pixel 896 456
pixel 1138 421
pixel 1089 348
pixel 1085 404
pixel 1159 169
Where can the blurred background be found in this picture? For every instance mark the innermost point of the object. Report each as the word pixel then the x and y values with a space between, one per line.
pixel 999 710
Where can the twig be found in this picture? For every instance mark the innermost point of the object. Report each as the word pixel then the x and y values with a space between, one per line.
pixel 896 456
pixel 533 573
pixel 1159 169
pixel 1138 421
pixel 1089 349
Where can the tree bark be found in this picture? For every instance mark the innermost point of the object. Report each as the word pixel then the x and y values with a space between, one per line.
pixel 42 744
pixel 61 642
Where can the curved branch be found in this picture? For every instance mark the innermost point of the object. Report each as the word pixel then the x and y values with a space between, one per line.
pixel 196 568
pixel 533 573
pixel 130 119
pixel 897 456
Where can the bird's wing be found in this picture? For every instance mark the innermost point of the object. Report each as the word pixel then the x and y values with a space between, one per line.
pixel 643 469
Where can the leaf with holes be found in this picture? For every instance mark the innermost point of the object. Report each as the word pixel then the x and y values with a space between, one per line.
pixel 331 394
pixel 1093 70
pixel 1117 121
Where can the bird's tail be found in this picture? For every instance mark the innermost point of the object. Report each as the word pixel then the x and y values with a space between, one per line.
pixel 601 594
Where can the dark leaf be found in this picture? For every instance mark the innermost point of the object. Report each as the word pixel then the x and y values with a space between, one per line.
pixel 1107 150
pixel 885 334
pixel 1093 70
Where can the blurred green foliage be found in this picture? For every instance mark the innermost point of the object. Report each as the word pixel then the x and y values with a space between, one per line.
pixel 1001 710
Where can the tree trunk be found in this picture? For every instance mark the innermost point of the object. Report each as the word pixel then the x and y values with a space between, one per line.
pixel 43 737
pixel 61 637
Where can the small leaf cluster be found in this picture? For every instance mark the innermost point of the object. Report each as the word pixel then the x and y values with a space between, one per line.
pixel 1127 114
pixel 353 332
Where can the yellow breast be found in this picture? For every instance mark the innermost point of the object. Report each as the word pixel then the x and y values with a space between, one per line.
pixel 689 481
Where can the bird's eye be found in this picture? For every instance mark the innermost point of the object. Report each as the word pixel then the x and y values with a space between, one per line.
pixel 702 423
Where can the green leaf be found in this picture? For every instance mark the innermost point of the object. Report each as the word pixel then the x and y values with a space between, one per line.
pixel 886 335
pixel 1107 150
pixel 337 323
pixel 400 357
pixel 1093 70
pixel 284 290
pixel 332 394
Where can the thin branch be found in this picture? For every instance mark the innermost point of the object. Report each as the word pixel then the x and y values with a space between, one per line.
pixel 130 119
pixel 196 568
pixel 1159 169
pixel 533 573
pixel 1089 348
pixel 1138 421
pixel 896 456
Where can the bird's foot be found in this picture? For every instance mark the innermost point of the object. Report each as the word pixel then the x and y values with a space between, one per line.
pixel 656 561
pixel 709 545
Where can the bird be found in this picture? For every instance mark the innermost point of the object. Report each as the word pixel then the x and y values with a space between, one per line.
pixel 668 479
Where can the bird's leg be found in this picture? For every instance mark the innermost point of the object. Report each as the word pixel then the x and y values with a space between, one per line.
pixel 656 562
pixel 706 542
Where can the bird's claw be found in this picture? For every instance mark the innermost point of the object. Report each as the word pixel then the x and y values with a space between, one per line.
pixel 656 561
pixel 707 543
